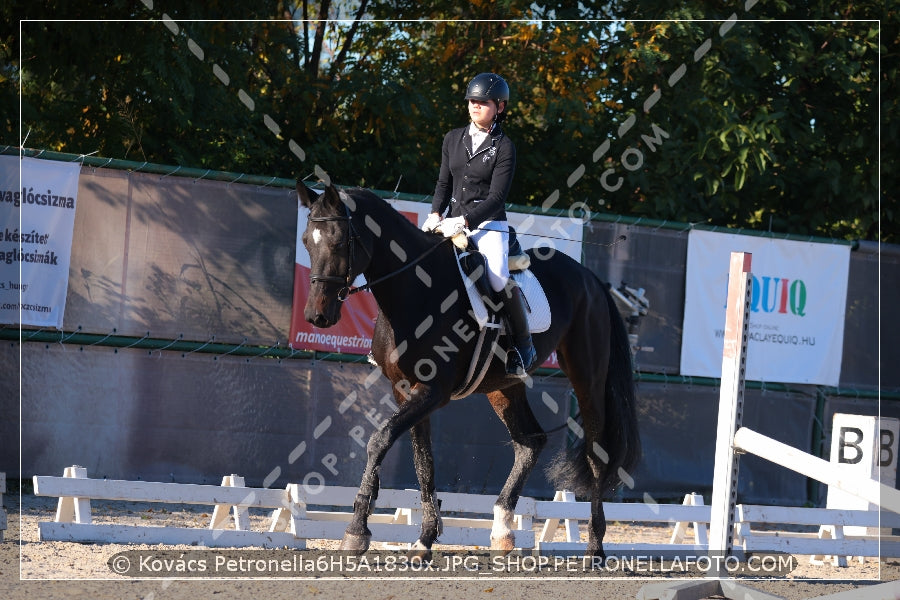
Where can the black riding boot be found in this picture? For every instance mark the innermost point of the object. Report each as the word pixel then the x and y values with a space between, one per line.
pixel 522 357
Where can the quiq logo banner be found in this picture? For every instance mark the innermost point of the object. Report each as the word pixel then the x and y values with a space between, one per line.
pixel 797 310
pixel 37 217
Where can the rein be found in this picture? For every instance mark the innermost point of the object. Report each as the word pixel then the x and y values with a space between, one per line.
pixel 618 240
pixel 369 284
pixel 347 291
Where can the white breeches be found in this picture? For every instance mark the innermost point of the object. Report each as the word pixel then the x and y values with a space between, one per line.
pixel 492 240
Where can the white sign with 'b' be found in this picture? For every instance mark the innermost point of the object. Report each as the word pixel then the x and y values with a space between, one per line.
pixel 868 445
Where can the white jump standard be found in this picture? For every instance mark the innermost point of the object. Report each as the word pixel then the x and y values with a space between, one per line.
pixel 731 403
pixel 733 439
pixel 730 538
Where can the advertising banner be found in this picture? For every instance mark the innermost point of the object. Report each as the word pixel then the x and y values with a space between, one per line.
pixel 353 333
pixel 37 217
pixel 797 311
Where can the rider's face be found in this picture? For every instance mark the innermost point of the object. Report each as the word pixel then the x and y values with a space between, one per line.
pixel 482 113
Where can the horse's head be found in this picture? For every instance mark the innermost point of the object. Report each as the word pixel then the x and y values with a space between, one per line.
pixel 335 257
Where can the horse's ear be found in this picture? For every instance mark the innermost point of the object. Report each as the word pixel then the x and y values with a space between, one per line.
pixel 307 196
pixel 331 197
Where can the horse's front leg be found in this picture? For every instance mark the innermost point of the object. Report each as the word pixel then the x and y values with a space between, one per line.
pixel 432 526
pixel 421 402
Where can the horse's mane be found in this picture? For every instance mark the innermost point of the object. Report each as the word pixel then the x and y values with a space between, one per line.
pixel 376 204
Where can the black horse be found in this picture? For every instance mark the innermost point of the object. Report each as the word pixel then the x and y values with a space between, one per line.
pixel 424 337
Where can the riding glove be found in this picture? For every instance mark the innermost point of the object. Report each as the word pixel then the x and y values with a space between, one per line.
pixel 451 226
pixel 431 222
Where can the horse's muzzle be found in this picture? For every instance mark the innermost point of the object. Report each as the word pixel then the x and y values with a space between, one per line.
pixel 321 321
pixel 322 314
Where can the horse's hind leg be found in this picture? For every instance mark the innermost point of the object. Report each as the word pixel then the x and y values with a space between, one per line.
pixel 528 439
pixel 590 390
pixel 596 524
pixel 424 463
pixel 585 362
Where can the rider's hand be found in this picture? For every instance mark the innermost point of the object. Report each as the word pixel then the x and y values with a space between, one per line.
pixel 431 222
pixel 452 226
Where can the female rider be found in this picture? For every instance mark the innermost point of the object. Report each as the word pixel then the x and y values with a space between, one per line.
pixel 477 166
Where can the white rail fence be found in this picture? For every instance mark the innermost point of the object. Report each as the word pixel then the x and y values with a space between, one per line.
pixel 723 527
pixel 296 515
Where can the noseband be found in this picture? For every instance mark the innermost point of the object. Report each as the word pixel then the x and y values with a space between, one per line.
pixel 345 291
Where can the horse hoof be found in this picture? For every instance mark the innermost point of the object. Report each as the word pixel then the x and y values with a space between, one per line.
pixel 595 558
pixel 419 551
pixel 355 543
pixel 504 544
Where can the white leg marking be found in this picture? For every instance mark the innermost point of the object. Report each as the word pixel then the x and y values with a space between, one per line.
pixel 503 520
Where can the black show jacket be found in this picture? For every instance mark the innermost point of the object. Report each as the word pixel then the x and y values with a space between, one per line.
pixel 475 185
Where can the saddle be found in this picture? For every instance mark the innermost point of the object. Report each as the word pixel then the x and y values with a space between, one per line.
pixel 474 265
pixel 473 269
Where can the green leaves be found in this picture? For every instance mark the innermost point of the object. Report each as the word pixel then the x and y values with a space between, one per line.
pixel 772 118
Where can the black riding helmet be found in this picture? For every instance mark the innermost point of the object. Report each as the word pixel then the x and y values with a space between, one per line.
pixel 488 86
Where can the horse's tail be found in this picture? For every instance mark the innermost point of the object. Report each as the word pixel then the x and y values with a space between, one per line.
pixel 621 428
pixel 620 446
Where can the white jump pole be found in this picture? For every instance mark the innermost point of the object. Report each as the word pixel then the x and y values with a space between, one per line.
pixel 817 468
pixel 731 404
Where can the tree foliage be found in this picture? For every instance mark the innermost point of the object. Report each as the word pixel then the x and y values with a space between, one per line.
pixel 764 116
pixel 777 125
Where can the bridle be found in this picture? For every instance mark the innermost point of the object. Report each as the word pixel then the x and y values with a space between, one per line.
pixel 346 291
pixel 347 279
